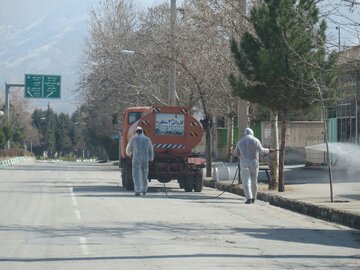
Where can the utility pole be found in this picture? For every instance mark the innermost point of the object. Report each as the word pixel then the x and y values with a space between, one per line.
pixel 172 68
pixel 243 105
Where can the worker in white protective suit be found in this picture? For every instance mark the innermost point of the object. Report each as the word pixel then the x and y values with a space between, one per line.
pixel 248 149
pixel 142 151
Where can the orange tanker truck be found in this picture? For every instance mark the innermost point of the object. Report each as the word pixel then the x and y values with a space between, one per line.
pixel 174 133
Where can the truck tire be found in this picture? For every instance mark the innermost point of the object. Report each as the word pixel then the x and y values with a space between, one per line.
pixel 188 184
pixel 181 182
pixel 129 183
pixel 198 183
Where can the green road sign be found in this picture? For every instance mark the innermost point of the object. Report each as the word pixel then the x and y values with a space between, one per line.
pixel 42 86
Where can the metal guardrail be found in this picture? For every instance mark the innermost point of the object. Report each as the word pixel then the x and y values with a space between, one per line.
pixel 13 161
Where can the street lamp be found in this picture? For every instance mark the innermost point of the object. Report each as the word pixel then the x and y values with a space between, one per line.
pixel 132 77
pixel 1 113
pixel 126 52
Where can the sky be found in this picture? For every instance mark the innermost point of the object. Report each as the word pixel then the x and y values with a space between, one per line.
pixel 341 23
pixel 47 37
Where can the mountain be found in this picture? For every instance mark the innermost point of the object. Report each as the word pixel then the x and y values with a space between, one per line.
pixel 49 42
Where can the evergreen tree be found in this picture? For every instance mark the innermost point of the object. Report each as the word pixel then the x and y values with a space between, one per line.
pixel 6 132
pixel 63 133
pixel 38 121
pixel 50 131
pixel 280 63
pixel 79 132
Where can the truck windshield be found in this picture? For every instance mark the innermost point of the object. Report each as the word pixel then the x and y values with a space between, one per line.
pixel 133 117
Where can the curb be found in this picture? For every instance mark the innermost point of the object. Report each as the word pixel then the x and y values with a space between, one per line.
pixel 13 161
pixel 325 213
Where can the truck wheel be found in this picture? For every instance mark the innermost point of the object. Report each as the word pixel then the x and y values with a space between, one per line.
pixel 188 184
pixel 198 185
pixel 129 183
pixel 181 182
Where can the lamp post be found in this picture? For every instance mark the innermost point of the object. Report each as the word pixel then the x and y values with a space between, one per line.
pixel 131 80
pixel 126 52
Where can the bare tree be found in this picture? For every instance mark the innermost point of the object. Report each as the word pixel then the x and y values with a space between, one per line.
pixel 141 78
pixel 104 84
pixel 111 81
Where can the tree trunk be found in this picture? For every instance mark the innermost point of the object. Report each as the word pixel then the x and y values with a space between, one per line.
pixel 243 119
pixel 281 187
pixel 208 151
pixel 230 135
pixel 328 158
pixel 214 138
pixel 274 161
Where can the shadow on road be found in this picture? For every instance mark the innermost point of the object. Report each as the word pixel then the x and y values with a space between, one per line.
pixel 177 256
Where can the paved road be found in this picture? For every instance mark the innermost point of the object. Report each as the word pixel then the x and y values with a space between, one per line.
pixel 74 216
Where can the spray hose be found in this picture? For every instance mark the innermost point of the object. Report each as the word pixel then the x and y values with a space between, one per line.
pixel 206 198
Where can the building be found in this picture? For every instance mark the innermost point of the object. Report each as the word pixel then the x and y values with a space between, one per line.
pixel 343 118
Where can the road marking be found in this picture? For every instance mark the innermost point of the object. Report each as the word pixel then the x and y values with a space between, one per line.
pixel 77 212
pixel 73 196
pixel 78 215
pixel 83 242
pixel 83 245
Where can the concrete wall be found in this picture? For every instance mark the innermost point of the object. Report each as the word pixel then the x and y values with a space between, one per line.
pixel 299 135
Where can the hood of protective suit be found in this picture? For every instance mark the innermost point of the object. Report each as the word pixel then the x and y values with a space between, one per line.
pixel 249 131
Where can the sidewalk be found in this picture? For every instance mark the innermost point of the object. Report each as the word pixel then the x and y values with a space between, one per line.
pixel 307 193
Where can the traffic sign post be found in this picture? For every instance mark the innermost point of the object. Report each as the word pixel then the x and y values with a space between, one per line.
pixel 42 86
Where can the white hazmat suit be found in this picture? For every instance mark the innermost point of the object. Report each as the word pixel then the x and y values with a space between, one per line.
pixel 248 149
pixel 142 151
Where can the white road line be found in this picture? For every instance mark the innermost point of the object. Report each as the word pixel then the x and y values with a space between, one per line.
pixel 83 242
pixel 78 215
pixel 83 245
pixel 73 196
